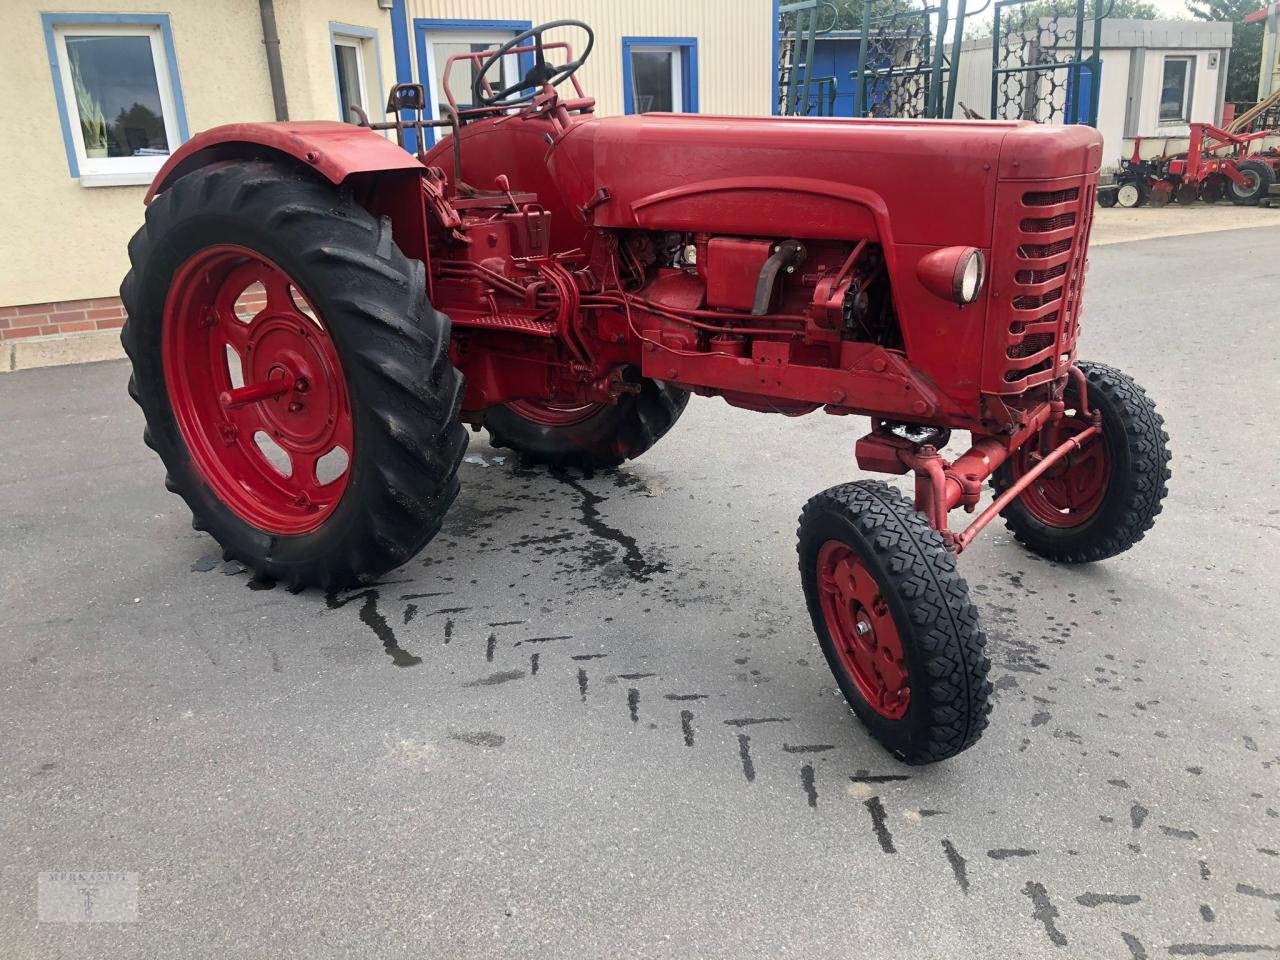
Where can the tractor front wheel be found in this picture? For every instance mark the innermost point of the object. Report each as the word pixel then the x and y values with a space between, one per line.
pixel 894 620
pixel 589 436
pixel 1102 499
pixel 294 379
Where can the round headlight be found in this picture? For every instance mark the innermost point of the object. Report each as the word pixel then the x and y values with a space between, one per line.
pixel 971 278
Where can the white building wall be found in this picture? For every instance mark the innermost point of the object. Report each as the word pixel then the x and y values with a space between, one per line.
pixel 1113 104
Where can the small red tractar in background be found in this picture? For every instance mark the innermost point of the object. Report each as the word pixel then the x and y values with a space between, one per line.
pixel 315 313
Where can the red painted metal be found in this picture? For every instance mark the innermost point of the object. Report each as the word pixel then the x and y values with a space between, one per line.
pixel 1071 493
pixel 567 249
pixel 1211 152
pixel 335 150
pixel 862 630
pixel 294 392
pixel 555 414
pixel 1024 483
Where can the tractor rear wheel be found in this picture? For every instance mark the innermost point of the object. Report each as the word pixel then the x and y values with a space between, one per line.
pixel 293 377
pixel 1102 499
pixel 1258 178
pixel 894 620
pixel 590 436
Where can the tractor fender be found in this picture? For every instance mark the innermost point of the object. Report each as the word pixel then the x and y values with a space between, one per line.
pixel 334 150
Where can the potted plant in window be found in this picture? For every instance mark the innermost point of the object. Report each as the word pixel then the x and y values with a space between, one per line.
pixel 92 123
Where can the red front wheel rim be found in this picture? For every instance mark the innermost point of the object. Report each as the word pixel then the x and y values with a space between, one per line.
pixel 257 389
pixel 548 414
pixel 862 630
pixel 1069 493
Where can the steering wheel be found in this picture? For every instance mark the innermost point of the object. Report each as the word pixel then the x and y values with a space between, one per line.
pixel 540 73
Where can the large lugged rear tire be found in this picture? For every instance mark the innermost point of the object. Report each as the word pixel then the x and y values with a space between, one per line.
pixel 1102 500
pixel 589 436
pixel 894 620
pixel 346 347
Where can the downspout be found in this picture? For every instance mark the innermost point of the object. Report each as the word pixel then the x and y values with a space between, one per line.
pixel 271 40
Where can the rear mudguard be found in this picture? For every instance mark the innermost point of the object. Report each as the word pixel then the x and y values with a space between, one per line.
pixel 335 150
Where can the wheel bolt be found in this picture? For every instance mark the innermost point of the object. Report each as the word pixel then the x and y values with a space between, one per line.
pixel 863 628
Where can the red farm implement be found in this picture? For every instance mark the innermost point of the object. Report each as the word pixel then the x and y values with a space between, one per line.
pixel 567 281
pixel 1217 163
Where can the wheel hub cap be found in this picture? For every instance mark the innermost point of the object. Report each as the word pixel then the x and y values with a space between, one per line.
pixel 862 630
pixel 257 389
pixel 1072 490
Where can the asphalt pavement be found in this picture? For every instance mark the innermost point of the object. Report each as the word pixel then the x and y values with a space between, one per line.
pixel 591 718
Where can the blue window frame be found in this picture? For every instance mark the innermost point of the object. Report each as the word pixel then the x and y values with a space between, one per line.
pixel 429 32
pixel 658 71
pixel 350 45
pixel 94 60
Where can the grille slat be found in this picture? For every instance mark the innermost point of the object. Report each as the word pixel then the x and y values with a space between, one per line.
pixel 1048 224
pixel 1043 321
pixel 1050 198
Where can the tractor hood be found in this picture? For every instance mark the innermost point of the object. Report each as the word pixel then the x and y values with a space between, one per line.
pixel 905 181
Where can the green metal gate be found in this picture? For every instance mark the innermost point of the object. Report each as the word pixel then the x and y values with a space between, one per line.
pixel 1046 65
pixel 799 93
pixel 906 63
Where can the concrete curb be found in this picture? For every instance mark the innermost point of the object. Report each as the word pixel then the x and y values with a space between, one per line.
pixel 31 352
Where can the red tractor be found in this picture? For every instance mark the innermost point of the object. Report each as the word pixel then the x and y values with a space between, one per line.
pixel 315 313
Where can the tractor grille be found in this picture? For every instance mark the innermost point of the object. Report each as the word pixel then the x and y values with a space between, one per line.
pixel 1038 265
pixel 1050 198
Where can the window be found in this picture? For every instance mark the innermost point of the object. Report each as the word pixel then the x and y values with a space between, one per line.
pixel 354 49
pixel 1175 90
pixel 118 97
pixel 438 40
pixel 660 74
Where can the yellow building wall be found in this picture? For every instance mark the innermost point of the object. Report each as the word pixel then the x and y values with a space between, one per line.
pixel 735 42
pixel 62 241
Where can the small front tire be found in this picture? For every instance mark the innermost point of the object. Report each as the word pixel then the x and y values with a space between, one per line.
pixel 894 621
pixel 1101 500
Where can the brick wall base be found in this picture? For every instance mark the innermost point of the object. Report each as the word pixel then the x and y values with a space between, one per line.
pixel 65 316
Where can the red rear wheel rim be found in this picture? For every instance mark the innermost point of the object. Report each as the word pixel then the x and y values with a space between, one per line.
pixel 293 399
pixel 547 414
pixel 862 630
pixel 1071 491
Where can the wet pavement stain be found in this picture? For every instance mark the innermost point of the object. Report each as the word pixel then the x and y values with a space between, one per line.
pixel 1103 899
pixel 372 618
pixel 1009 853
pixel 959 866
pixel 866 776
pixel 1220 949
pixel 1249 890
pixel 686 726
pixel 493 679
pixel 633 560
pixel 1044 911
pixel 744 753
pixel 1136 950
pixel 880 824
pixel 1137 814
pixel 808 785
pixel 480 738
